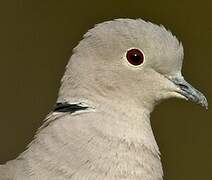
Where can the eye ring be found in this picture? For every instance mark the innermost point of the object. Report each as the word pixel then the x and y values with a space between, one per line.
pixel 135 56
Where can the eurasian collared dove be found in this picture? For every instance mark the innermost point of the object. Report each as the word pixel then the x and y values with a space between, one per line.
pixel 100 127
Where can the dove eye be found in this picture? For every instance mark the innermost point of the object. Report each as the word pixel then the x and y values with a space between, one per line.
pixel 135 57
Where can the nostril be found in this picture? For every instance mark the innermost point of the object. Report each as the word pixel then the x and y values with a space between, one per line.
pixel 183 86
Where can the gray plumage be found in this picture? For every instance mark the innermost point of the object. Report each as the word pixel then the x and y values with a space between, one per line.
pixel 108 136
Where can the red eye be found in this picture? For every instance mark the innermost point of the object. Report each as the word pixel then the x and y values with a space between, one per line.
pixel 135 57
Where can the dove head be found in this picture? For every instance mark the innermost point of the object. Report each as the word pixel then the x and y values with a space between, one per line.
pixel 127 61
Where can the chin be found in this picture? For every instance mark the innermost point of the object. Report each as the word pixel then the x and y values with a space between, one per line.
pixel 169 95
pixel 175 95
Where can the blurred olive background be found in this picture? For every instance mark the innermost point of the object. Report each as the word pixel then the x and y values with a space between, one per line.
pixel 36 41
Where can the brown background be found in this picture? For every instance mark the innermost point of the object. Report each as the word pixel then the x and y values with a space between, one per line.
pixel 36 39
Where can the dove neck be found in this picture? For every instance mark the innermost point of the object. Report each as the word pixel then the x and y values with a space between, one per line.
pixel 132 119
pixel 118 133
pixel 123 118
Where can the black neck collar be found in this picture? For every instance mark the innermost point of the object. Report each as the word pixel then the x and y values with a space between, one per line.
pixel 67 107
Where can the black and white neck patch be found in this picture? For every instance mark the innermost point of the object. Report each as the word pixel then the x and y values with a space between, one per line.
pixel 67 107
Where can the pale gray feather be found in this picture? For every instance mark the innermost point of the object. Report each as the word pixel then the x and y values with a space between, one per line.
pixel 109 136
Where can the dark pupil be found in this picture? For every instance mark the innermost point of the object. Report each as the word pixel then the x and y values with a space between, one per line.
pixel 136 59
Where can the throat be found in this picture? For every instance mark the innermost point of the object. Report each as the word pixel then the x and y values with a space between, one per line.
pixel 137 151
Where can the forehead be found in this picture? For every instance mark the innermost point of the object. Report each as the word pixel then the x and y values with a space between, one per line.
pixel 134 31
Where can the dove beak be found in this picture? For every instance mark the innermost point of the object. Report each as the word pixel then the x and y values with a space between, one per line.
pixel 189 92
